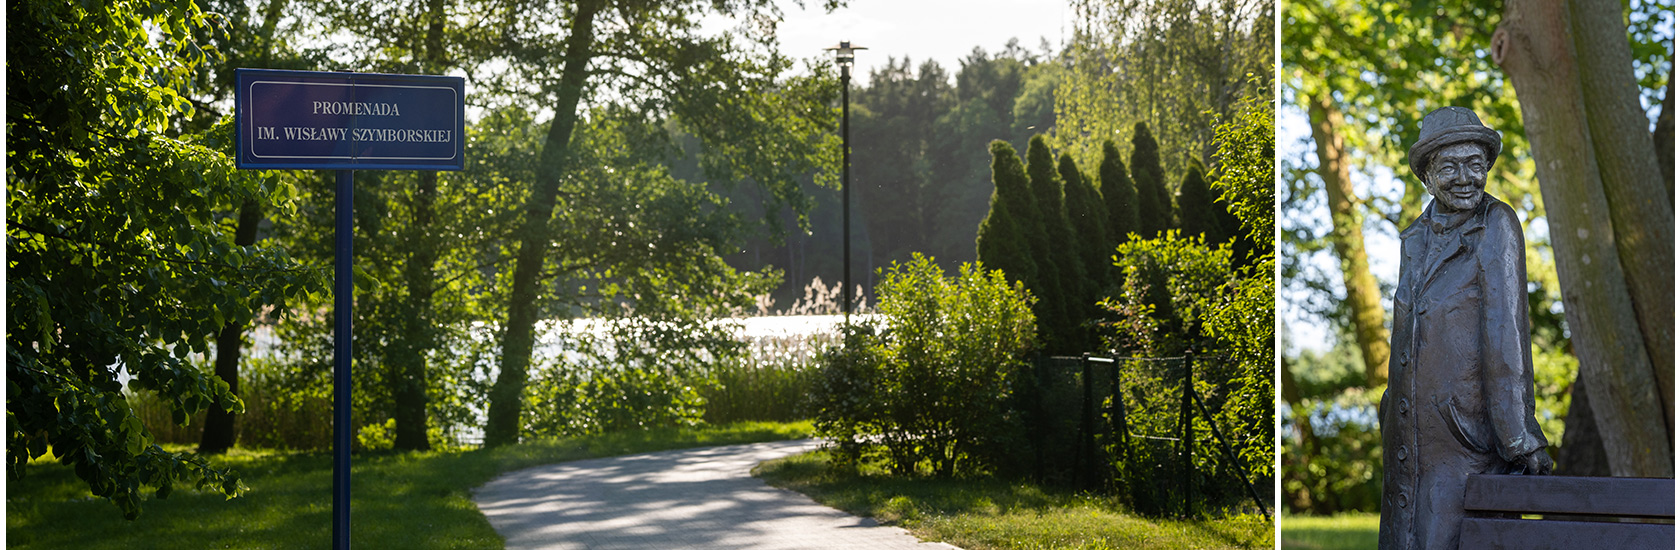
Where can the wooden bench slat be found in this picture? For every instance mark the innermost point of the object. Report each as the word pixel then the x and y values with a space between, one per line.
pixel 1603 496
pixel 1518 534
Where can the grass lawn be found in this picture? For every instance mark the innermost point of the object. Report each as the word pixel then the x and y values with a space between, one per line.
pixel 410 501
pixel 1346 531
pixel 987 514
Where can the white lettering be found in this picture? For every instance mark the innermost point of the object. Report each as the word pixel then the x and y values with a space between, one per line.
pixel 354 108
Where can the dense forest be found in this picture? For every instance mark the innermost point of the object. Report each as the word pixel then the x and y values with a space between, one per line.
pixel 920 168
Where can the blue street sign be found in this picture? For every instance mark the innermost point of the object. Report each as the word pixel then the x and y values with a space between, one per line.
pixel 301 120
pixel 349 121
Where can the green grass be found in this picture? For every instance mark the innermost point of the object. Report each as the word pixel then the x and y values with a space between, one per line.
pixel 410 501
pixel 1339 532
pixel 982 514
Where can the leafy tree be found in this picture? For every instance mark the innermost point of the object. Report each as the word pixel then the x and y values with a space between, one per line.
pixel 990 102
pixel 1155 208
pixel 420 37
pixel 1176 65
pixel 934 385
pixel 897 192
pixel 754 125
pixel 119 259
pixel 1197 215
pixel 244 42
pixel 1243 325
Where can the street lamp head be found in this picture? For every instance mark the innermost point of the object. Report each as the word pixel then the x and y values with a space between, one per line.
pixel 843 52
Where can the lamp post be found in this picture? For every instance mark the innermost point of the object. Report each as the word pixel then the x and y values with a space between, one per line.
pixel 843 58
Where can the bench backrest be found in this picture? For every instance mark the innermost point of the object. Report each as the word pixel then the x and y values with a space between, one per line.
pixel 1489 496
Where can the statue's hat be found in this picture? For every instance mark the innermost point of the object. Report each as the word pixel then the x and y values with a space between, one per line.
pixel 1447 126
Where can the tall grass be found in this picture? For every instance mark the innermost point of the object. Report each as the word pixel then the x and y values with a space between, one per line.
pixel 276 416
pixel 288 406
pixel 771 382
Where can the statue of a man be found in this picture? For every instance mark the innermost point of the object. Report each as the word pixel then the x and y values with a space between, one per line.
pixel 1460 396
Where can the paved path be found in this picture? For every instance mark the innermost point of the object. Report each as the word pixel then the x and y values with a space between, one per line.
pixel 693 498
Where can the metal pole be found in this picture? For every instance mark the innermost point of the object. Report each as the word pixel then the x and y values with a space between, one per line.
pixel 1184 432
pixel 1085 464
pixel 846 187
pixel 343 299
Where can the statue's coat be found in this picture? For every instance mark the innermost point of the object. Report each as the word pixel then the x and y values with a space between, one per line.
pixel 1460 396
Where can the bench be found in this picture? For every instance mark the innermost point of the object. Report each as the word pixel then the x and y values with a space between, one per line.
pixel 1490 502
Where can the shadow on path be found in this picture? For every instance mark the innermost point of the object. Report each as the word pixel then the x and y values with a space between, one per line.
pixel 691 498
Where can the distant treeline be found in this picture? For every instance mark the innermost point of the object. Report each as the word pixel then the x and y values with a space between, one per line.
pixel 921 170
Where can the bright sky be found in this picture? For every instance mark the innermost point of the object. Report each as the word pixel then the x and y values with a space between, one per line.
pixel 942 30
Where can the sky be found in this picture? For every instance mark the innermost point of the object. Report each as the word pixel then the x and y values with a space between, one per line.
pixel 942 30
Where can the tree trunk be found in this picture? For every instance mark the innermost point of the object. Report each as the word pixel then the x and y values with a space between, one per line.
pixel 219 434
pixel 1347 235
pixel 1640 210
pixel 535 238
pixel 1533 46
pixel 408 386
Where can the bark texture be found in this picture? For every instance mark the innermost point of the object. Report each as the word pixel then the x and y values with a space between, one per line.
pixel 1640 209
pixel 1347 237
pixel 535 237
pixel 1534 48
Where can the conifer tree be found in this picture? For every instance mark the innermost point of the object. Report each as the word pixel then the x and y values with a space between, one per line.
pixel 1003 242
pixel 1089 217
pixel 1119 196
pixel 1196 213
pixel 1060 272
pixel 1154 204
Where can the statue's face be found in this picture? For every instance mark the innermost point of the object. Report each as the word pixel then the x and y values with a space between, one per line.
pixel 1457 174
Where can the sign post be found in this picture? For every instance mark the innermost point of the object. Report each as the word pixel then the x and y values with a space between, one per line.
pixel 301 120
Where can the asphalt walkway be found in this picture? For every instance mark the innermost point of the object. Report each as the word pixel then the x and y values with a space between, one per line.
pixel 691 498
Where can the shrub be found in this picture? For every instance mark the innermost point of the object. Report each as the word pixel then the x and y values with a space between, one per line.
pixel 581 399
pixel 932 386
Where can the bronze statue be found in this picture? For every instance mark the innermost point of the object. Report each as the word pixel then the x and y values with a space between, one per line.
pixel 1460 396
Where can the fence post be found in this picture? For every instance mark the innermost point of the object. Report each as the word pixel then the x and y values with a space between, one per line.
pixel 1086 466
pixel 1117 428
pixel 1184 432
pixel 1035 414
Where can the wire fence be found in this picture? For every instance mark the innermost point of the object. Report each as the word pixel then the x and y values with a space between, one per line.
pixel 1140 428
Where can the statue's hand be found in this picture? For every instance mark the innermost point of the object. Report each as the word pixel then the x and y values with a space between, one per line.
pixel 1537 463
